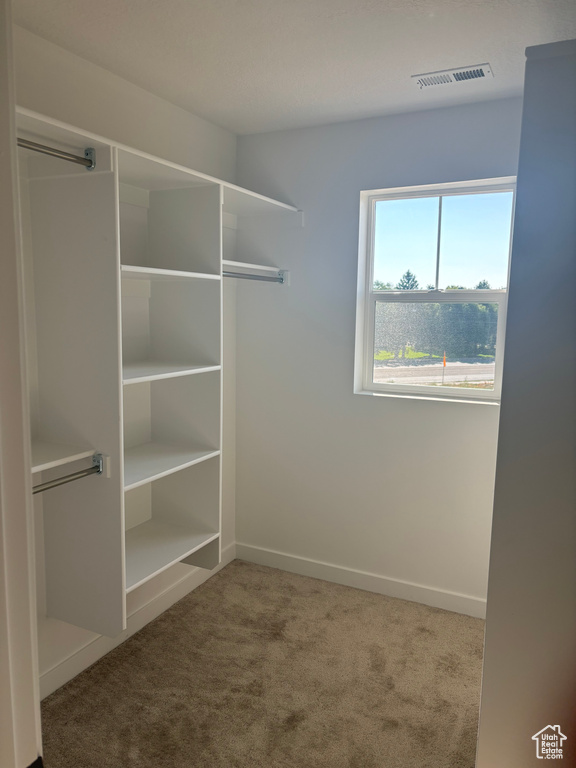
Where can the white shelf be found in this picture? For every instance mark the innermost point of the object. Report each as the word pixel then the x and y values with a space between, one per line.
pixel 153 547
pixel 153 370
pixel 153 460
pixel 140 169
pixel 243 202
pixel 49 455
pixel 244 265
pixel 152 273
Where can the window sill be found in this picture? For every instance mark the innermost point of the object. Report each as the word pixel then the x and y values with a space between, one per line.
pixel 407 396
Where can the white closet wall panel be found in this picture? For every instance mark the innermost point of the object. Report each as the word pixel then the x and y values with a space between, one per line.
pixel 184 227
pixel 76 285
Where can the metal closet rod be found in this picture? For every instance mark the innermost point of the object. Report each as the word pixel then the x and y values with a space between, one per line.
pixel 96 469
pixel 88 161
pixel 263 278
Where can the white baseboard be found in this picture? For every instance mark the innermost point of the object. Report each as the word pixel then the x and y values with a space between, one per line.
pixel 371 582
pixel 60 674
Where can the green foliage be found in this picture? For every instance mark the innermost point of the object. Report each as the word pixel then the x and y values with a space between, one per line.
pixel 384 355
pixel 407 353
pixel 429 329
pixel 410 330
pixel 407 282
pixel 380 286
pixel 411 354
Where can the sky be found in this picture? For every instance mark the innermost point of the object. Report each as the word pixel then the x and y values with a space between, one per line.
pixel 474 239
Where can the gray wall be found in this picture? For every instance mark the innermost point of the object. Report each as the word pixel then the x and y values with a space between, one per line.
pixel 529 668
pixel 58 84
pixel 391 494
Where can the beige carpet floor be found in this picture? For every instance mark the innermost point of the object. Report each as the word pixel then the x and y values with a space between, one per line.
pixel 259 668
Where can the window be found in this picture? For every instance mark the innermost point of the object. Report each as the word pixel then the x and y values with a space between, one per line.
pixel 432 289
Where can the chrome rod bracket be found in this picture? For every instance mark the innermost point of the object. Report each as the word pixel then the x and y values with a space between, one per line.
pixel 90 154
pixel 88 160
pixel 98 461
pixel 97 468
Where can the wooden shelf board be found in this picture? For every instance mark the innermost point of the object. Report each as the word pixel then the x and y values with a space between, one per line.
pixel 151 461
pixel 152 547
pixel 152 370
pixel 49 455
pixel 152 273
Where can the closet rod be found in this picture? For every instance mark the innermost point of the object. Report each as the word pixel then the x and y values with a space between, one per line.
pixel 89 159
pixel 264 278
pixel 96 469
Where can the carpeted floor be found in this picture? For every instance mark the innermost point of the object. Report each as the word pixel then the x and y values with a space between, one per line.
pixel 259 668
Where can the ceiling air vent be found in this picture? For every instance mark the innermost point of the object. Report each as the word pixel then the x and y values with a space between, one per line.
pixel 452 76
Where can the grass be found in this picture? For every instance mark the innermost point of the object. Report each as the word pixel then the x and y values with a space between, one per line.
pixel 408 354
pixel 411 354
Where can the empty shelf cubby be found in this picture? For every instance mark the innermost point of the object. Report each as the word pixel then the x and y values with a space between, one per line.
pixel 169 425
pixel 172 520
pixel 170 325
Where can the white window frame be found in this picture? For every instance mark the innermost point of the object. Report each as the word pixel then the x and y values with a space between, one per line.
pixel 367 297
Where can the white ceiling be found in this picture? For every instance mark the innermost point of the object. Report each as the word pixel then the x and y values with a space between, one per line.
pixel 261 65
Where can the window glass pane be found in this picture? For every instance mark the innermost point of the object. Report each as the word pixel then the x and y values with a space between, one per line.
pixel 475 240
pixel 435 344
pixel 406 240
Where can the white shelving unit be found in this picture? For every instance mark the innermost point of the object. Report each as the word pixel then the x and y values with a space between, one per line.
pixel 170 251
pixel 123 272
